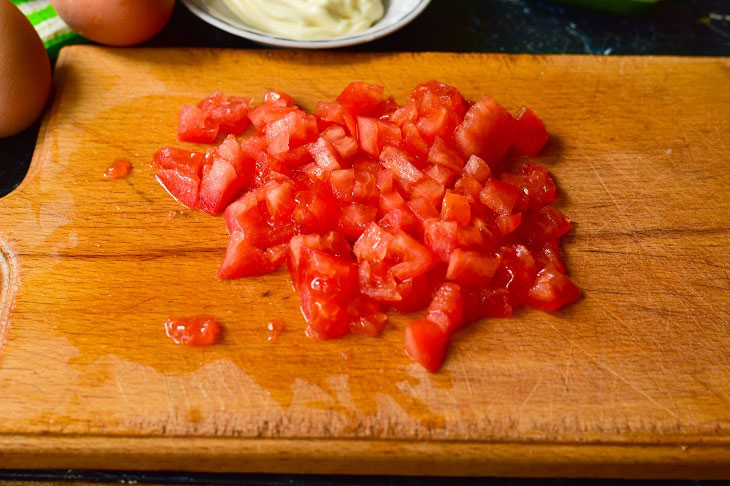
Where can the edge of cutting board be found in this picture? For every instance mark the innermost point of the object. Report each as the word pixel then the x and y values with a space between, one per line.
pixel 371 457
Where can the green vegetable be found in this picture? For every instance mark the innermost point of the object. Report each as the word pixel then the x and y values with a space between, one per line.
pixel 630 7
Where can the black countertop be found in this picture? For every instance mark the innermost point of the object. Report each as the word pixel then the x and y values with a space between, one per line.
pixel 673 27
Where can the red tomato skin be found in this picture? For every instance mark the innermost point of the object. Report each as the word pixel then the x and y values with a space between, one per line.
pixel 549 254
pixel 193 331
pixel 445 308
pixel 472 268
pixel 552 290
pixel 531 133
pixel 481 302
pixel 488 131
pixel 509 222
pixel 181 160
pixel 243 260
pixel 426 344
pixel 183 187
pixel 361 99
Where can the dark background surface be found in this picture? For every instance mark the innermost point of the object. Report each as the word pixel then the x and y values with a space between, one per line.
pixel 674 27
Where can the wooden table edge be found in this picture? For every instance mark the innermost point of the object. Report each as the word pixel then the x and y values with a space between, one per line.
pixel 393 457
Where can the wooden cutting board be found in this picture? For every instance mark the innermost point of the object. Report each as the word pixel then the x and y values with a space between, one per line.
pixel 633 380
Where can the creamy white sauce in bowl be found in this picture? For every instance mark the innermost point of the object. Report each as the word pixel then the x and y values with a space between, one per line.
pixel 326 23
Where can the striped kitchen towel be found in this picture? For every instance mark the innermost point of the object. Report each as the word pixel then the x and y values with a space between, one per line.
pixel 50 27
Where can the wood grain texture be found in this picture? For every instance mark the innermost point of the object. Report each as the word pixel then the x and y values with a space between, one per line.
pixel 633 380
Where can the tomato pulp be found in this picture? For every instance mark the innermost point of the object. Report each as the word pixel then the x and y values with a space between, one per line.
pixel 375 206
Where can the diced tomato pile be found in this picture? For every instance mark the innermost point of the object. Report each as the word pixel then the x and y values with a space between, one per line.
pixel 375 206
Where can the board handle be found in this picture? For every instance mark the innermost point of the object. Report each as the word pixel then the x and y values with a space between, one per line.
pixel 8 287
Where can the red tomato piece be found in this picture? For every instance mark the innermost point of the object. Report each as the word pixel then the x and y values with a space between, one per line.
pixel 374 134
pixel 290 131
pixel 355 218
pixel 549 254
pixel 219 186
pixel 277 254
pixel 441 154
pixel 334 112
pixel 440 237
pixel 536 185
pixel 405 114
pixel 193 331
pixel 182 186
pixel 372 244
pixel 324 155
pixel 439 122
pixel 385 181
pixel 413 142
pixel 455 207
pixel 231 114
pixel 472 267
pixel 414 294
pixel 516 272
pixel 508 222
pixel 195 125
pixel 531 133
pixel 183 161
pixel 361 99
pixel 445 308
pixel 479 303
pixel 377 282
pixel 365 188
pixel 414 258
pixel 342 181
pixel 316 211
pixel 499 196
pixel 366 316
pixel 432 95
pixel 428 189
pixel 552 290
pixel 422 208
pixel 478 169
pixel 401 164
pixel 488 131
pixel 279 199
pixel 426 344
pixel 243 259
pixel 441 174
pixel 345 146
pixel 547 223
pixel 468 187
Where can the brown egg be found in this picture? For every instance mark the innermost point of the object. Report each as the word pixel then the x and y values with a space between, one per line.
pixel 115 22
pixel 25 71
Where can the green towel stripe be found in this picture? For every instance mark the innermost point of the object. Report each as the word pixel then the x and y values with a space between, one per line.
pixel 42 15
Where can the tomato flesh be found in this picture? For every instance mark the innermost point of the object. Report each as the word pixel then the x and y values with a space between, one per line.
pixel 375 206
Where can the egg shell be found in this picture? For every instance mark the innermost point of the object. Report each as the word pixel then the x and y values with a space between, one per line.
pixel 115 22
pixel 25 71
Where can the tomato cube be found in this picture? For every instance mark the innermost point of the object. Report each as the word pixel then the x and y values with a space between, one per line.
pixel 499 196
pixel 531 133
pixel 426 344
pixel 552 290
pixel 455 207
pixel 181 185
pixel 445 308
pixel 472 267
pixel 487 131
pixel 243 259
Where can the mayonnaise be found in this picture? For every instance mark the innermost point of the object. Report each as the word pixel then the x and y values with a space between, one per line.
pixel 308 19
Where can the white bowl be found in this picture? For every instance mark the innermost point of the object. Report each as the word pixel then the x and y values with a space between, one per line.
pixel 398 13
